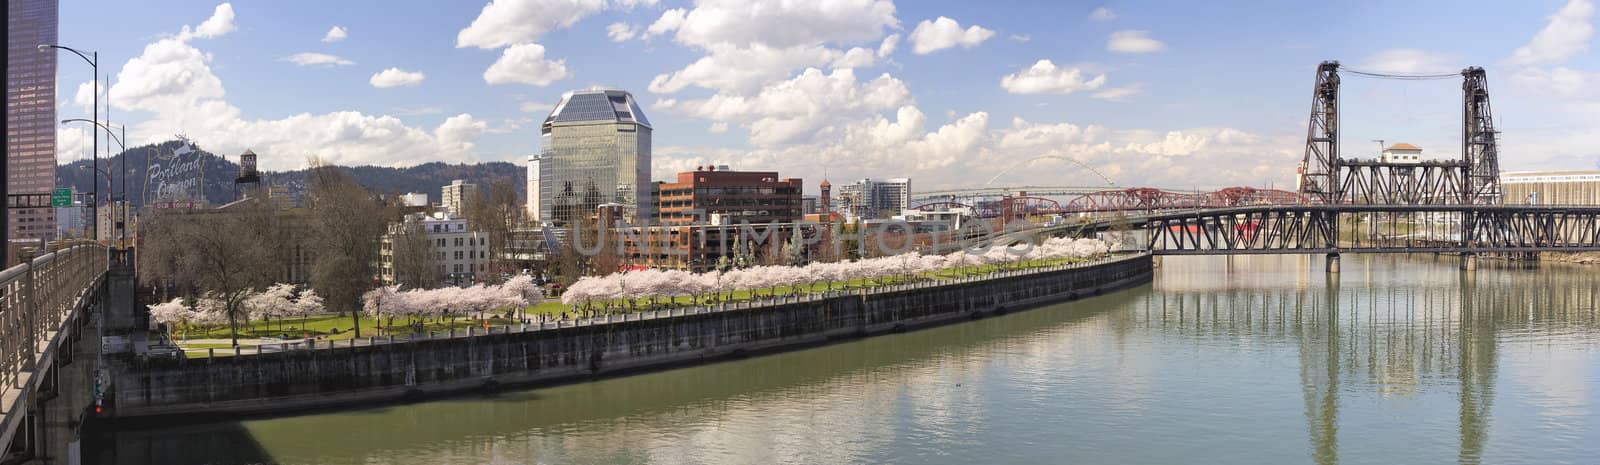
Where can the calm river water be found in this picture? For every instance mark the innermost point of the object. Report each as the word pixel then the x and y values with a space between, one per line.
pixel 1248 360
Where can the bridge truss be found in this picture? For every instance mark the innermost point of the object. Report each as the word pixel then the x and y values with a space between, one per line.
pixel 1325 175
pixel 1401 229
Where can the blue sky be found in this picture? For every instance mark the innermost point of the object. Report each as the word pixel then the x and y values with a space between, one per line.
pixel 1171 94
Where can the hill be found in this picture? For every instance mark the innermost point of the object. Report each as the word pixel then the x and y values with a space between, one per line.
pixel 157 172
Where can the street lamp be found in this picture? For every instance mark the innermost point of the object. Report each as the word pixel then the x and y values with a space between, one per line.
pixel 93 58
pixel 123 230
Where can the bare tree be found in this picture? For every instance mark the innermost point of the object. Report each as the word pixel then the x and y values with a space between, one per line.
pixel 347 223
pixel 415 265
pixel 225 254
pixel 496 215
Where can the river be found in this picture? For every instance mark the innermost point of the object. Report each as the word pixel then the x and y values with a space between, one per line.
pixel 1246 360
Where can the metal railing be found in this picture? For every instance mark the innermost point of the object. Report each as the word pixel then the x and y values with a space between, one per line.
pixel 36 298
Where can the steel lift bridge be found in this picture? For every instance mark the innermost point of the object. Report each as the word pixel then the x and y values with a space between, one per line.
pixel 1344 205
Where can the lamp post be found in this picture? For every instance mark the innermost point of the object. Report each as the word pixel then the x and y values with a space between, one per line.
pixel 93 58
pixel 123 229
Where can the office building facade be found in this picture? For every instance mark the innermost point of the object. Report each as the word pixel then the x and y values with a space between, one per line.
pixel 595 150
pixel 712 195
pixel 31 114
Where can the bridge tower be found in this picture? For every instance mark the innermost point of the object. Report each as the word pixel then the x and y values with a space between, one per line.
pixel 1319 171
pixel 1478 147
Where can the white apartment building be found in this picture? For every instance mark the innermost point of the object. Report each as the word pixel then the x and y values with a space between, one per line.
pixel 458 196
pixel 533 188
pixel 461 253
pixel 874 198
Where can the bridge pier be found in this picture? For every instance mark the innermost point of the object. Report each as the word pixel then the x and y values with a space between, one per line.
pixel 1469 261
pixel 1333 263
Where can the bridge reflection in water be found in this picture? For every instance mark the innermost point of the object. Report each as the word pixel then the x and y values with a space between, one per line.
pixel 1248 359
pixel 1386 333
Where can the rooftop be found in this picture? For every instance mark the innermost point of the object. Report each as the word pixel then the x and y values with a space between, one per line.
pixel 1404 146
pixel 597 106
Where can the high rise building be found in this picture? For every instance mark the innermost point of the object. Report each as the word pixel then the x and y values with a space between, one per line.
pixel 870 198
pixel 596 150
pixel 458 196
pixel 30 113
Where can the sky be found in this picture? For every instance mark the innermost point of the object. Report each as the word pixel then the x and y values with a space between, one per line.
pixel 953 94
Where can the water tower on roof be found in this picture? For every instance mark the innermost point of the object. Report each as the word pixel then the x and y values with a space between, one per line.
pixel 249 178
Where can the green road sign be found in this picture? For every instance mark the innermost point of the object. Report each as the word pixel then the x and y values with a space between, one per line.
pixel 61 198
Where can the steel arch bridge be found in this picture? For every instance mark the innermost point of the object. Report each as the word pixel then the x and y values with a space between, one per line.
pixel 1137 199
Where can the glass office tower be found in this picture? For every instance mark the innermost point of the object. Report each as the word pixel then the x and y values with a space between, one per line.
pixel 595 150
pixel 31 113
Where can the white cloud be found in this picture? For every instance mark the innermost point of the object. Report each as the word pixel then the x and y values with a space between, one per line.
pixel 1026 135
pixel 1102 14
pixel 742 70
pixel 1134 42
pixel 943 33
pixel 169 74
pixel 418 110
pixel 751 44
pixel 718 127
pixel 1020 38
pixel 85 96
pixel 220 22
pixel 316 59
pixel 967 153
pixel 621 32
pixel 507 22
pixel 396 77
pixel 460 131
pixel 1559 81
pixel 1408 61
pixel 1116 94
pixel 779 24
pixel 1045 78
pixel 173 82
pixel 857 57
pixel 1566 36
pixel 799 109
pixel 669 21
pixel 335 34
pixel 888 45
pixel 525 64
pixel 1175 144
pixel 72 142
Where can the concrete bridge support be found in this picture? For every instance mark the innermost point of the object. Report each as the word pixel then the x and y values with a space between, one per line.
pixel 1469 261
pixel 1333 263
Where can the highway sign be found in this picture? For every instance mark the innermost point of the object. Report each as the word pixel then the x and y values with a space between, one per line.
pixel 61 197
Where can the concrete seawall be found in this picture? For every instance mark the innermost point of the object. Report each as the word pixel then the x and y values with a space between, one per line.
pixel 285 382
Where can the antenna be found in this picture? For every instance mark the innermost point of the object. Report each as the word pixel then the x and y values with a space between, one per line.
pixel 1380 145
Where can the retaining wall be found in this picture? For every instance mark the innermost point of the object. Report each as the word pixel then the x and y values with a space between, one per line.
pixel 284 382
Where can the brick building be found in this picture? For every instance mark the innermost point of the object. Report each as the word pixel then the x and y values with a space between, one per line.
pixel 732 196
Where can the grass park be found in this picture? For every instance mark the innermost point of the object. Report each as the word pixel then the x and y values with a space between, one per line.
pixel 197 340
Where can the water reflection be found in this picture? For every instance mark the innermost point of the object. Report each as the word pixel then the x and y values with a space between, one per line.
pixel 1238 360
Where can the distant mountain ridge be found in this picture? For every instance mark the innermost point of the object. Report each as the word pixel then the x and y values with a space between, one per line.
pixel 171 175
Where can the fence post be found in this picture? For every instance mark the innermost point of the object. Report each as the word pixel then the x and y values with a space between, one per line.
pixel 28 344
